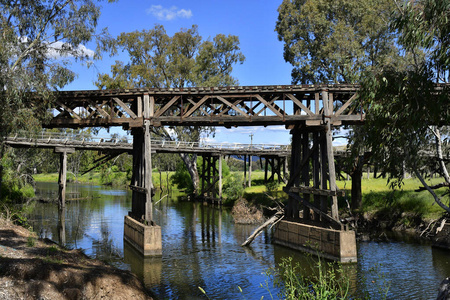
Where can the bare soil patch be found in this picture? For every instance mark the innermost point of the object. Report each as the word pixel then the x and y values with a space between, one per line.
pixel 32 268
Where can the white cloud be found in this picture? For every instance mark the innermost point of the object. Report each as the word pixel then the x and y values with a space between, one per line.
pixel 168 14
pixel 54 50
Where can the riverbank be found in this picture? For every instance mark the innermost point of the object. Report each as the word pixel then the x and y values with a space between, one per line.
pixel 32 268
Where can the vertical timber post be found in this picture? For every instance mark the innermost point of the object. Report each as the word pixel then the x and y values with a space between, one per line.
pixel 220 178
pixel 62 179
pixel 148 162
pixel 250 170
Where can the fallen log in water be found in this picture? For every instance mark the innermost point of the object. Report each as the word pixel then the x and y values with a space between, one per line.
pixel 278 216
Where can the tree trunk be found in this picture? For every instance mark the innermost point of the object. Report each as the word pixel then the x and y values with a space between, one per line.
pixel 356 195
pixel 436 198
pixel 274 219
pixel 191 165
pixel 444 171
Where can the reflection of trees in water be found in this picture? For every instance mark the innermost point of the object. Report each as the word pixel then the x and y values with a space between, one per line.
pixel 79 217
pixel 104 247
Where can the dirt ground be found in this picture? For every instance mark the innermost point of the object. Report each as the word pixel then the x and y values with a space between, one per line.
pixel 32 268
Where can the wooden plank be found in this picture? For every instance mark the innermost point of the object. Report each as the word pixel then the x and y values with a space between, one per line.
pixel 151 112
pixel 139 106
pixel 125 108
pixel 138 189
pixel 317 103
pixel 98 109
pixel 195 106
pixel 330 156
pixel 315 191
pixel 300 104
pixel 262 109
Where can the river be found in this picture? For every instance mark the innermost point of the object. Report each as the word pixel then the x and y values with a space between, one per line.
pixel 201 248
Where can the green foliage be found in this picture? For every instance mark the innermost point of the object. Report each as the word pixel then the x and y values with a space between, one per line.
pixel 327 282
pixel 329 40
pixel 271 187
pixel 31 241
pixel 182 178
pixel 233 188
pixel 160 60
pixel 39 40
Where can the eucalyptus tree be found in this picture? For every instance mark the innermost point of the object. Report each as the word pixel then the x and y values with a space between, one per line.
pixel 38 41
pixel 408 119
pixel 157 60
pixel 337 41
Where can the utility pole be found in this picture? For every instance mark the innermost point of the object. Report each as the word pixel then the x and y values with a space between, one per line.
pixel 250 162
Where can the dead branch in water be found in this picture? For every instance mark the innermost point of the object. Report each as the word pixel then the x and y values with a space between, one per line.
pixel 277 217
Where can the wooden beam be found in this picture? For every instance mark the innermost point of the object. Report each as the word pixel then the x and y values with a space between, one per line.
pixel 314 208
pixel 69 110
pixel 261 99
pixel 125 108
pixel 300 104
pixel 197 105
pixel 315 191
pixel 166 107
pixel 346 104
pixel 232 106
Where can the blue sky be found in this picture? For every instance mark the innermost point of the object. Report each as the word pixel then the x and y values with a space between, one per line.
pixel 253 21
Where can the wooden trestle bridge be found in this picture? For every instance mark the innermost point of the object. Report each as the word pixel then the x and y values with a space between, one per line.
pixel 308 111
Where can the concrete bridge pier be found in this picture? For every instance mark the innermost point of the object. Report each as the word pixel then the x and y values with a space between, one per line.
pixel 312 190
pixel 140 230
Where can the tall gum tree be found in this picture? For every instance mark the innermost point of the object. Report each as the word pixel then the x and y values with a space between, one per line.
pixel 38 42
pixel 336 41
pixel 157 60
pixel 408 119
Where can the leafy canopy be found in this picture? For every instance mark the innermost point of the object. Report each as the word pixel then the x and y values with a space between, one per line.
pixel 406 113
pixel 38 41
pixel 336 40
pixel 158 60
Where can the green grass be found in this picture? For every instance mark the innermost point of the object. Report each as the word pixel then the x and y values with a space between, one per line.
pixel 378 197
pixel 118 178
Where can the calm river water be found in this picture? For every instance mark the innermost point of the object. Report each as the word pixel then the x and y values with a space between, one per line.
pixel 201 248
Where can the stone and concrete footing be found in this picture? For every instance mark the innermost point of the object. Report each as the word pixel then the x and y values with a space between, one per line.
pixel 144 238
pixel 338 245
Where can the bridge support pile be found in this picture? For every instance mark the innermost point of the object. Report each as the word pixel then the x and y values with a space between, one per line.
pixel 277 165
pixel 139 228
pixel 312 191
pixel 211 177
